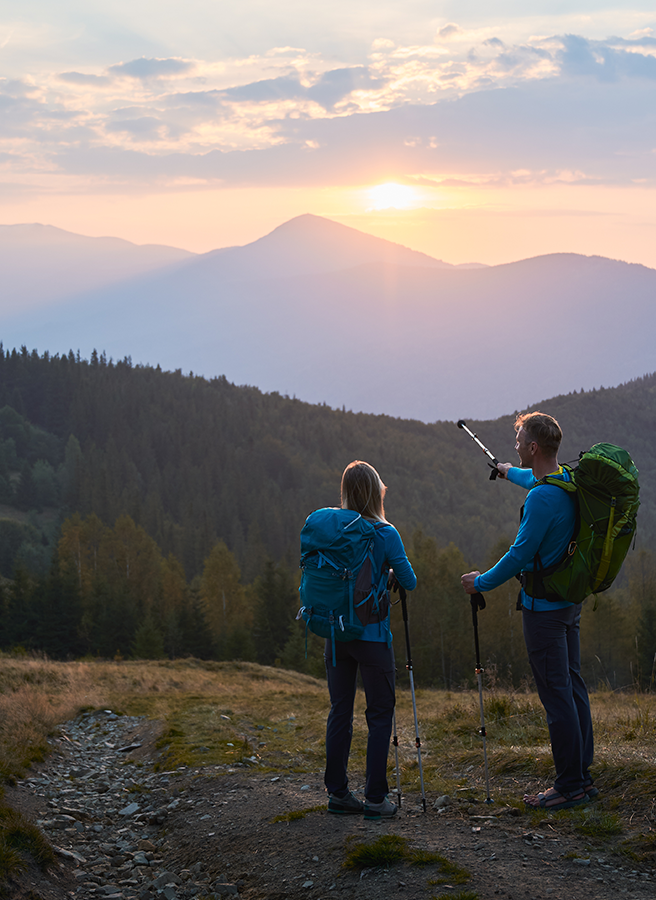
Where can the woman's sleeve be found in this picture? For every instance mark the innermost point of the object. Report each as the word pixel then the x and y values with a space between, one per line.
pixel 397 558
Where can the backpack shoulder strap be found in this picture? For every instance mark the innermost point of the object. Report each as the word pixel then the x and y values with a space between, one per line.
pixel 557 481
pixel 539 571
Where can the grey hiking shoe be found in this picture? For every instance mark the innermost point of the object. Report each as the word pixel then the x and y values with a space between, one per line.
pixel 383 810
pixel 345 806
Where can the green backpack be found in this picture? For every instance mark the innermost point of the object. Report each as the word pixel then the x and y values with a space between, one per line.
pixel 605 486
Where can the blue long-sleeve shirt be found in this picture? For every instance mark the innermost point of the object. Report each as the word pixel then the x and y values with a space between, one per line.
pixel 389 552
pixel 546 527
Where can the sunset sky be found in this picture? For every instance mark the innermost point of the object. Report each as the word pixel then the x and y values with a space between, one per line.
pixel 472 131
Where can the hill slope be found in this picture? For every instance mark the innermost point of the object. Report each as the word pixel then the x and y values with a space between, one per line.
pixel 164 468
pixel 193 461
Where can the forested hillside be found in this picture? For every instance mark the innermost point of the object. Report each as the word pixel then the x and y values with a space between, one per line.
pixel 107 469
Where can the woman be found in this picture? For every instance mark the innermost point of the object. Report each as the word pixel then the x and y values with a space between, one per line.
pixel 362 491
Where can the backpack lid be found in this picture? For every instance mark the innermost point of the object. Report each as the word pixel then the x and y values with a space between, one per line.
pixel 605 467
pixel 340 532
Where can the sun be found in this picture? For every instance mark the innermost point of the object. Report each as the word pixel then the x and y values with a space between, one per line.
pixel 390 194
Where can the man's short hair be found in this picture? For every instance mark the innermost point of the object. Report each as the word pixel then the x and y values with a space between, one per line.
pixel 542 429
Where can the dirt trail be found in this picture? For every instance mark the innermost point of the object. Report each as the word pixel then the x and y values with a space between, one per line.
pixel 125 831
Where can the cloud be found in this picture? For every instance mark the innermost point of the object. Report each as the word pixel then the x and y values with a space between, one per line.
pixel 337 84
pixel 602 61
pixel 17 114
pixel 540 133
pixel 449 31
pixel 485 111
pixel 327 90
pixel 145 69
pixel 18 87
pixel 200 100
pixel 266 91
pixel 641 38
pixel 29 116
pixel 82 78
pixel 142 127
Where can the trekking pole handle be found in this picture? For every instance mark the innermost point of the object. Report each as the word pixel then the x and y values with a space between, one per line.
pixel 495 462
pixel 477 600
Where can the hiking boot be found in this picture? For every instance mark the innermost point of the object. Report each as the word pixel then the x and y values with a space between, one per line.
pixel 383 810
pixel 348 805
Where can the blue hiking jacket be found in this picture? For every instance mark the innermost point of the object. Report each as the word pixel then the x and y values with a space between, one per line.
pixel 389 551
pixel 546 528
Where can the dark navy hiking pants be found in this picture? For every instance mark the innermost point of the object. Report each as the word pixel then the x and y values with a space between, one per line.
pixel 554 651
pixel 375 661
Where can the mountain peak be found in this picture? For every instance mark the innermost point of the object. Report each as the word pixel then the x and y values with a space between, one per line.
pixel 309 227
pixel 310 244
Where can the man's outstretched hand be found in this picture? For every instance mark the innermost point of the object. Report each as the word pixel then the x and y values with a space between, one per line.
pixel 468 580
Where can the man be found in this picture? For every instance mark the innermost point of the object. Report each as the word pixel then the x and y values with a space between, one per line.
pixel 551 629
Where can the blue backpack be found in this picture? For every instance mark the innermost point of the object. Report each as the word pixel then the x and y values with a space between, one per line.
pixel 340 590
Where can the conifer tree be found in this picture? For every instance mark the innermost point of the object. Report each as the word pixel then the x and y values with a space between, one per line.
pixel 25 495
pixel 226 610
pixel 148 640
pixel 19 623
pixel 173 601
pixel 57 611
pixel 276 604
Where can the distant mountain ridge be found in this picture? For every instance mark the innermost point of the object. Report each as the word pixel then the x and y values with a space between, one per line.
pixel 324 312
pixel 41 264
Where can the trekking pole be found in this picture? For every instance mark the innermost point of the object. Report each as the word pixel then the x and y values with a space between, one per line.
pixel 408 665
pixel 395 742
pixel 478 602
pixel 495 462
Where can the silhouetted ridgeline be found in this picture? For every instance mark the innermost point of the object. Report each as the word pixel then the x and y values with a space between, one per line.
pixel 193 462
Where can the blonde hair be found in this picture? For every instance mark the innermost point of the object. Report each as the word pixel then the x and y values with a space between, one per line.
pixel 363 491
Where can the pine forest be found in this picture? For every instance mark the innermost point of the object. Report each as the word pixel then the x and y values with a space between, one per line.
pixel 152 514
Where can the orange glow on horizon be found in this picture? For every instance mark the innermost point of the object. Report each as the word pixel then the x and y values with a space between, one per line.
pixel 455 223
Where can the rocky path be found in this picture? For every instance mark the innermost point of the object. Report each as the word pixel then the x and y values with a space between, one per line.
pixel 124 831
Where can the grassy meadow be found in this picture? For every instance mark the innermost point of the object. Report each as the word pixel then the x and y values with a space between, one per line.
pixel 231 714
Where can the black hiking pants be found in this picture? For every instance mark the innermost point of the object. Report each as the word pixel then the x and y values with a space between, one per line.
pixel 375 660
pixel 554 651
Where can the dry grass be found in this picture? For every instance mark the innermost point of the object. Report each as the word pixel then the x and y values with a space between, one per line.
pixel 250 715
pixel 35 696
